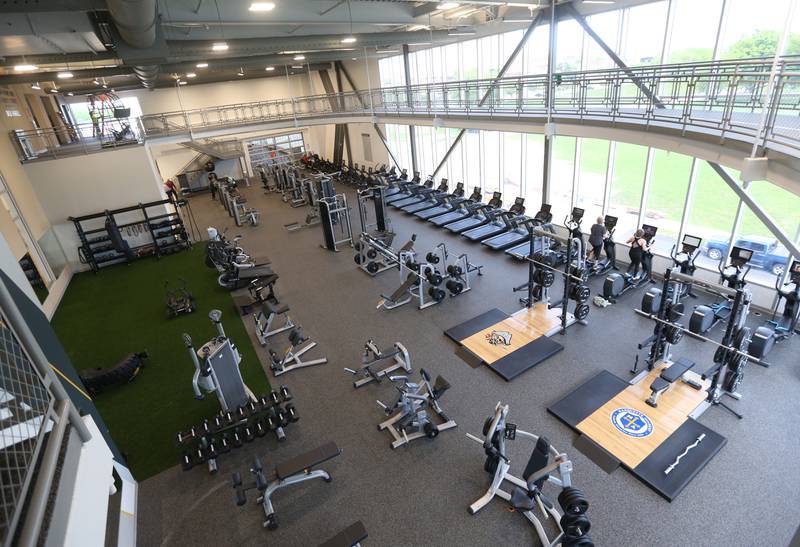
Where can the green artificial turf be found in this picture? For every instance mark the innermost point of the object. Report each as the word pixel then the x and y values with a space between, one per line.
pixel 105 316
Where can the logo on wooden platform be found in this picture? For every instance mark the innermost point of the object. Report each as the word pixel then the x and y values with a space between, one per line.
pixel 499 338
pixel 631 422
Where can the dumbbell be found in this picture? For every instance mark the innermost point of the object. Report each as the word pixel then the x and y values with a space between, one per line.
pixel 286 395
pixel 260 430
pixel 274 397
pixel 264 402
pixel 206 426
pixel 241 412
pixel 212 452
pixel 217 425
pixel 238 441
pixel 187 462
pixel 182 437
pixel 249 435
pixel 200 455
pixel 229 417
pixel 224 444
pixel 455 287
pixel 291 413
pixel 273 422
pixel 432 257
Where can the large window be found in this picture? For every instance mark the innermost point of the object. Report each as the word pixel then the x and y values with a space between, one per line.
pixel 689 39
pixel 512 166
pixel 592 177
pixel 533 157
pixel 644 34
pixel 625 194
pixel 490 141
pixel 749 32
pixel 561 177
pixel 666 196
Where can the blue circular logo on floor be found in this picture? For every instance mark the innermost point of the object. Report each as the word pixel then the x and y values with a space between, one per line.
pixel 632 422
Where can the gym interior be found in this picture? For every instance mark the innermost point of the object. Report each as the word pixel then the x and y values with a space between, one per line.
pixel 494 272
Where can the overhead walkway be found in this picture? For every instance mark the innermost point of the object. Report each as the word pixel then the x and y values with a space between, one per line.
pixel 721 102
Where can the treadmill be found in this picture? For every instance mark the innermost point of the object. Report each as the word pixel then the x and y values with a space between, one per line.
pixel 421 194
pixel 462 210
pixel 500 224
pixel 480 216
pixel 449 203
pixel 432 200
pixel 410 190
pixel 522 251
pixel 520 233
pixel 398 186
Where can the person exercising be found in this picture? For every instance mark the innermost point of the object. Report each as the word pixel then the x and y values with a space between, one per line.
pixel 639 246
pixel 597 236
pixel 212 184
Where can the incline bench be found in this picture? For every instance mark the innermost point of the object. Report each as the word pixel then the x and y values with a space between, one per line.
pixel 293 471
pixel 352 536
pixel 668 376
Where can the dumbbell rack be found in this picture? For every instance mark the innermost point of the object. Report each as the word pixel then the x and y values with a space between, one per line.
pixel 228 430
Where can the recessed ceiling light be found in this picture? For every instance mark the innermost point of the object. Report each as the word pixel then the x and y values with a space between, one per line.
pixel 95 82
pixel 65 75
pixel 448 5
pixel 297 66
pixel 104 86
pixel 25 68
pixel 270 68
pixel 240 73
pixel 349 40
pixel 190 74
pixel 262 6
pixel 53 90
pixel 412 28
pixel 355 58
pixel 220 46
pixel 181 82
pixel 70 93
pixel 36 86
pixel 299 57
pixel 201 65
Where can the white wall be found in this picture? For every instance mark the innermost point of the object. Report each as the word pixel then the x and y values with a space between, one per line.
pixel 83 185
pixel 10 267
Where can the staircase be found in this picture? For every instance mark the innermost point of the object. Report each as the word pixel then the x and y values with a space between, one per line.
pixel 218 150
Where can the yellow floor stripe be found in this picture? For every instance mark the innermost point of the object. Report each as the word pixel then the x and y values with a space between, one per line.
pixel 73 384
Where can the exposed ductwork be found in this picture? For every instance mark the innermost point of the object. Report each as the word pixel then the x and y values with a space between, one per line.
pixel 136 22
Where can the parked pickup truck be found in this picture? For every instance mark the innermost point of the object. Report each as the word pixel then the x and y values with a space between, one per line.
pixel 768 254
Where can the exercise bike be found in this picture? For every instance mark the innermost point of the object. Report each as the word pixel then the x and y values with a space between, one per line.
pixel 684 262
pixel 600 266
pixel 779 329
pixel 705 318
pixel 617 284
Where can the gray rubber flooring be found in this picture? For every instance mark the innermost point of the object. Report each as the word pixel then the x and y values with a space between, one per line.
pixel 747 495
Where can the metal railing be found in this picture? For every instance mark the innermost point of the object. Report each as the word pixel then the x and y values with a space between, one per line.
pixel 77 139
pixel 724 98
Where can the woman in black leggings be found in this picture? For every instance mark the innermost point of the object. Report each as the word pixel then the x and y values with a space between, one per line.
pixel 639 247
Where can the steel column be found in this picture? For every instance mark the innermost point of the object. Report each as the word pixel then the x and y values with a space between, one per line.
pixel 409 100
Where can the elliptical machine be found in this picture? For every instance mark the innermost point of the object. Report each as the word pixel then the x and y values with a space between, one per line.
pixel 617 284
pixel 684 261
pixel 780 329
pixel 602 266
pixel 705 318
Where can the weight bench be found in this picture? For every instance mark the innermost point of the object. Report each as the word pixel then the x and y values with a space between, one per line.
pixel 400 359
pixel 352 536
pixel 668 376
pixel 273 310
pixel 293 471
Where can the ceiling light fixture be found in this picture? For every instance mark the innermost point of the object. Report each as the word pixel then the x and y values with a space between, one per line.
pixel 95 82
pixel 25 68
pixel 182 82
pixel 104 86
pixel 65 75
pixel 299 57
pixel 413 28
pixel 201 65
pixel 262 6
pixel 349 40
pixel 53 90
pixel 297 66
pixel 448 5
pixel 219 46
pixel 241 72
pixel 36 86
pixel 270 68
pixel 70 93
pixel 190 74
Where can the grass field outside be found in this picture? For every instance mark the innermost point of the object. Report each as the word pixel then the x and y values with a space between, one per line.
pixel 120 310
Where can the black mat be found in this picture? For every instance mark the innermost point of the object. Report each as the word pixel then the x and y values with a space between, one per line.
pixel 525 358
pixel 578 404
pixel 651 470
pixel 476 324
pixel 595 392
